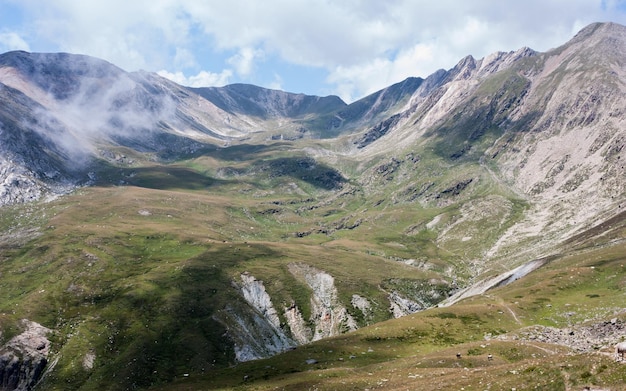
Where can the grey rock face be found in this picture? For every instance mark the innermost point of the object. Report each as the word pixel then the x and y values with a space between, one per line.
pixel 362 304
pixel 24 358
pixel 16 187
pixel 401 306
pixel 258 333
pixel 328 315
pixel 255 331
pixel 255 294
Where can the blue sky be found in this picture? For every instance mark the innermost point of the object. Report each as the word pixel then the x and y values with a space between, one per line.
pixel 348 48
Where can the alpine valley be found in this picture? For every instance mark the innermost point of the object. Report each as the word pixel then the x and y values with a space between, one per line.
pixel 462 231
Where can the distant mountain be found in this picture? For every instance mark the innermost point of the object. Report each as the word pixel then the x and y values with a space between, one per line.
pixel 548 124
pixel 370 109
pixel 220 225
pixel 251 100
pixel 72 106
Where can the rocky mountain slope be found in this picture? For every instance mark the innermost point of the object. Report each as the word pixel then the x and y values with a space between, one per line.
pixel 548 126
pixel 154 231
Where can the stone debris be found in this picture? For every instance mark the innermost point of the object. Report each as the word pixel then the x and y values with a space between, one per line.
pixel 581 338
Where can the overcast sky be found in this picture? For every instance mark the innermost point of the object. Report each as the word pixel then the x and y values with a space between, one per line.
pixel 348 48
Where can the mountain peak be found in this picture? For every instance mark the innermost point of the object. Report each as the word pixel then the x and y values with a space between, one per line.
pixel 59 73
pixel 600 36
pixel 600 29
pixel 598 43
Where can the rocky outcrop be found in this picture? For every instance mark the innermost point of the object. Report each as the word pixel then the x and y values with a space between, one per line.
pixel 329 316
pixel 362 304
pixel 252 336
pixel 300 329
pixel 378 131
pixel 24 357
pixel 255 331
pixel 401 306
pixel 255 294
pixel 17 187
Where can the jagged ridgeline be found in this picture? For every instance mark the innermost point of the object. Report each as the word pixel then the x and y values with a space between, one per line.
pixel 154 235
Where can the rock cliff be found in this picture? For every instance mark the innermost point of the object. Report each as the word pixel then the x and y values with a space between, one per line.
pixel 255 332
pixel 24 357
pixel 328 315
pixel 260 333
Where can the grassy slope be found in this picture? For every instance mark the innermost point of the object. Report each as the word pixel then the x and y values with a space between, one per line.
pixel 419 351
pixel 134 274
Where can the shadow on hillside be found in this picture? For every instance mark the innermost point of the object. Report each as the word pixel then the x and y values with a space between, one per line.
pixel 170 178
pixel 469 137
pixel 271 172
pixel 254 165
pixel 246 152
pixel 306 169
pixel 182 310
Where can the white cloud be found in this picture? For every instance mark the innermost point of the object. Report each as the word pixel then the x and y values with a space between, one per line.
pixel 363 79
pixel 362 44
pixel 134 34
pixel 202 79
pixel 12 41
pixel 184 58
pixel 277 83
pixel 244 60
pixel 302 32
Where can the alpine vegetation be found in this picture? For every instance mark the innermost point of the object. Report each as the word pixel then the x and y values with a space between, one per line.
pixel 465 230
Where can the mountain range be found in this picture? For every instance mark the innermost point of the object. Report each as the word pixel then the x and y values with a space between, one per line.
pixel 155 235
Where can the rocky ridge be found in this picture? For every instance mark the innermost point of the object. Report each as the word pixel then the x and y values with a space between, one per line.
pixel 540 124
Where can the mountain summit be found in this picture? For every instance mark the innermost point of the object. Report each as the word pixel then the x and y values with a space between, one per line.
pixel 154 232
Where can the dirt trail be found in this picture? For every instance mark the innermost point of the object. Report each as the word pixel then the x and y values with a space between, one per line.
pixel 512 314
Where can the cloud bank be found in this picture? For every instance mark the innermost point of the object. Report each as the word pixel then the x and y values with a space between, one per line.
pixel 350 47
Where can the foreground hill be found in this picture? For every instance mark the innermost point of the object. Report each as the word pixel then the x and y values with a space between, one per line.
pixel 554 330
pixel 202 228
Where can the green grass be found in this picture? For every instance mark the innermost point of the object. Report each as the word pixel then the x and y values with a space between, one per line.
pixel 419 351
pixel 137 275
